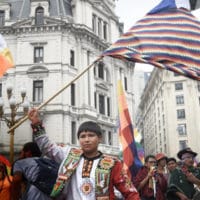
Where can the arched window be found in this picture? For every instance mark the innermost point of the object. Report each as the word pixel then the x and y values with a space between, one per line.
pixel 39 16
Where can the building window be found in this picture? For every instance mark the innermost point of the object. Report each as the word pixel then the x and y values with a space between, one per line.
pixel 101 70
pixel 99 27
pixel 94 71
pixel 73 95
pixel 181 114
pixel 73 131
pixel 39 16
pixel 103 140
pixel 38 91
pixel 105 30
pixel 178 86
pixel 109 138
pixel 72 58
pixel 95 100
pixel 94 21
pixel 38 54
pixel 0 89
pixel 125 84
pixel 163 118
pixel 108 106
pixel 2 18
pixel 182 129
pixel 179 99
pixel 101 104
pixel 182 144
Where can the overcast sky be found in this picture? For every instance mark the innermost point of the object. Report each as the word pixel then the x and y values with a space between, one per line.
pixel 130 11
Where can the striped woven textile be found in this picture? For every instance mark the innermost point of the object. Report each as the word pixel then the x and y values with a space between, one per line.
pixel 167 37
pixel 131 161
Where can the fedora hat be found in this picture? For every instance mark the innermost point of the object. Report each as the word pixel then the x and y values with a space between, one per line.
pixel 186 150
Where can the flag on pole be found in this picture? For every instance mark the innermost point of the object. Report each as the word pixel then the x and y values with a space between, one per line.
pixel 6 60
pixel 131 162
pixel 167 37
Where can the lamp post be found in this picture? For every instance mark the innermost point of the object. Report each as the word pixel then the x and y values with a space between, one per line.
pixel 11 119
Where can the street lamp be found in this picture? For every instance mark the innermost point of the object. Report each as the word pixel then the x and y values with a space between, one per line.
pixel 12 120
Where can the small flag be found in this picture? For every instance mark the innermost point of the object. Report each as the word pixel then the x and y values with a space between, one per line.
pixel 6 60
pixel 140 149
pixel 167 37
pixel 140 152
pixel 4 160
pixel 131 162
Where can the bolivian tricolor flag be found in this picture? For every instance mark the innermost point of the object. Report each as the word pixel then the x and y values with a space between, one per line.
pixel 6 60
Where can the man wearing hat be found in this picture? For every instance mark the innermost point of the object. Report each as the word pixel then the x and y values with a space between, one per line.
pixel 161 159
pixel 85 173
pixel 183 180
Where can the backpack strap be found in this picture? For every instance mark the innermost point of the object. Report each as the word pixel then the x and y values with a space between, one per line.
pixel 70 164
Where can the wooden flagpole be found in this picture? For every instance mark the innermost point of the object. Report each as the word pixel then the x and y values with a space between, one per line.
pixel 56 94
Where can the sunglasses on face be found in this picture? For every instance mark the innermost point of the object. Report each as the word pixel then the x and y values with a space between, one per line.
pixel 188 157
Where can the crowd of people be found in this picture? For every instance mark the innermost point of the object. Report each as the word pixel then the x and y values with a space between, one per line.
pixel 45 170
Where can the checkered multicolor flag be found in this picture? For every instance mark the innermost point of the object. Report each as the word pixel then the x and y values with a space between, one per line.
pixel 131 161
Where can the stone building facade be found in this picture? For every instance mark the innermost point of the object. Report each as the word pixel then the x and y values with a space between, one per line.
pixel 51 43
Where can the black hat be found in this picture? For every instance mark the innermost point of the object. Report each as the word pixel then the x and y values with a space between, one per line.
pixel 186 150
pixel 171 159
pixel 89 126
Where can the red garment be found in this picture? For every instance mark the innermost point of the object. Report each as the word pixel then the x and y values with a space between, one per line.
pixel 122 182
pixel 5 190
pixel 161 184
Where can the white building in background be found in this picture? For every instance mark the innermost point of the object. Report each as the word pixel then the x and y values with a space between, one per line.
pixel 170 112
pixel 140 79
pixel 51 42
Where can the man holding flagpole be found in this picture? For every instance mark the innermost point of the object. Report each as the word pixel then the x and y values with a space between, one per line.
pixel 85 173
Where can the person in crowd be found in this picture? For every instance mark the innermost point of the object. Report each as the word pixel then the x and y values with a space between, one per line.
pixel 22 172
pixel 161 163
pixel 183 180
pixel 5 182
pixel 171 164
pixel 150 184
pixel 84 173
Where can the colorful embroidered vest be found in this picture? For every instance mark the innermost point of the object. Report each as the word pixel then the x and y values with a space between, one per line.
pixel 102 174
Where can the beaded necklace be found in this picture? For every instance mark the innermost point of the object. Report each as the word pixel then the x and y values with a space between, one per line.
pixel 87 165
